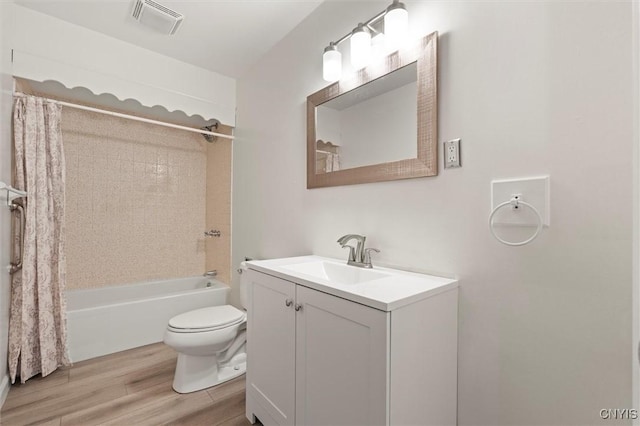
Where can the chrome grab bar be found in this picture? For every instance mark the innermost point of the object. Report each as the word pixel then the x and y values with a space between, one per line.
pixel 16 265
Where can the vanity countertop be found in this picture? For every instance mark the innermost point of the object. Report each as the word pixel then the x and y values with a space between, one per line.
pixel 380 288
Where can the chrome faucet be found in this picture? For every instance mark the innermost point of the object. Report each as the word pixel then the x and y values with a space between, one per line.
pixel 358 255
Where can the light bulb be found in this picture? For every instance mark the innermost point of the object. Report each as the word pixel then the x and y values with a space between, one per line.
pixel 331 63
pixel 360 47
pixel 396 25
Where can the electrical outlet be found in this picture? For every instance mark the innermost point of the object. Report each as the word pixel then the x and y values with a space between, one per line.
pixel 452 154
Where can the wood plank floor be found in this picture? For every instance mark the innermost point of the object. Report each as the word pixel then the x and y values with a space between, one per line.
pixel 127 388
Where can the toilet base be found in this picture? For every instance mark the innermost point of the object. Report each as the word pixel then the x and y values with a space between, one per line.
pixel 194 373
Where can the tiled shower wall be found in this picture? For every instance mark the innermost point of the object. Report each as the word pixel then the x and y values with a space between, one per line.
pixel 135 201
pixel 218 206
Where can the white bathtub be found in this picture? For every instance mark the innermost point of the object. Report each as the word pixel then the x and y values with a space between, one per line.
pixel 112 319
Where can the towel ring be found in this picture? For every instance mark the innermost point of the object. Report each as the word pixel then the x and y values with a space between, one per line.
pixel 516 202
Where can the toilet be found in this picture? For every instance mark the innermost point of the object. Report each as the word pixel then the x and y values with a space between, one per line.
pixel 211 344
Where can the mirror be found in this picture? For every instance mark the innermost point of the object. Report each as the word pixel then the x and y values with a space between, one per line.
pixel 379 125
pixel 354 129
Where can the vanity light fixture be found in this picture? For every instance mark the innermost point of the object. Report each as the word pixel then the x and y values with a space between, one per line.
pixel 331 63
pixel 396 25
pixel 360 46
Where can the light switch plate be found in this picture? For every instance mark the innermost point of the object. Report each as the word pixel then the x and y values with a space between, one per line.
pixel 532 190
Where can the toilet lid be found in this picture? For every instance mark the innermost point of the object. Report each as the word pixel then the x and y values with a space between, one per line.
pixel 207 318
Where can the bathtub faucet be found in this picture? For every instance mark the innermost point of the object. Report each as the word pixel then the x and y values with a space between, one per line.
pixel 211 274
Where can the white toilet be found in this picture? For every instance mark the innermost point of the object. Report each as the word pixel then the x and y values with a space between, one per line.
pixel 211 345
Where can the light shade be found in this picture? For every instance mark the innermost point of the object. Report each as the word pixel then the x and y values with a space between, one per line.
pixel 360 47
pixel 396 25
pixel 331 63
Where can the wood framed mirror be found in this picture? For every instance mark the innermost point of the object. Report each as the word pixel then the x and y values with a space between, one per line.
pixel 379 125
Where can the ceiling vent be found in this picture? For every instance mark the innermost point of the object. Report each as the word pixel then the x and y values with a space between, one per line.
pixel 157 16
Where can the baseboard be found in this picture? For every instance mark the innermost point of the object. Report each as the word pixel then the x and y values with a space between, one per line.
pixel 4 389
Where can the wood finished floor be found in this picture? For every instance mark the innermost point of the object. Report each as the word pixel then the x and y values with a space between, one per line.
pixel 127 388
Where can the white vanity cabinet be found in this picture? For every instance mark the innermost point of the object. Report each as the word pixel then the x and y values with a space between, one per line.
pixel 318 359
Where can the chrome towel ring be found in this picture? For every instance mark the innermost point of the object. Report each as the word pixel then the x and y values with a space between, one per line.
pixel 516 202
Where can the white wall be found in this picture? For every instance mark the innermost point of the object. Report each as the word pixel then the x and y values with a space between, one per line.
pixel 6 88
pixel 531 88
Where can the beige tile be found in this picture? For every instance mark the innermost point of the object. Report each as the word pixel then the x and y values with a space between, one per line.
pixel 128 179
pixel 163 156
pixel 139 168
pixel 126 170
pixel 100 148
pixel 144 153
pixel 85 167
pixel 84 147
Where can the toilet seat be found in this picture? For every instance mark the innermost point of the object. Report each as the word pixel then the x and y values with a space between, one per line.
pixel 206 319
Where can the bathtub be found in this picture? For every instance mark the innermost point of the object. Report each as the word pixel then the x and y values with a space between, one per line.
pixel 112 319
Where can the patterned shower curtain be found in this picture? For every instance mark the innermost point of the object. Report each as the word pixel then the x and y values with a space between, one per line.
pixel 37 324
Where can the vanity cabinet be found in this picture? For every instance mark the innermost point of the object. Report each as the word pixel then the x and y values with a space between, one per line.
pixel 318 359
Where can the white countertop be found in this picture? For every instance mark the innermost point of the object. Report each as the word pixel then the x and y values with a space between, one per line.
pixel 398 289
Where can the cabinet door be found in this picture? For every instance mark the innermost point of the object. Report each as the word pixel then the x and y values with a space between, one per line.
pixel 271 346
pixel 341 361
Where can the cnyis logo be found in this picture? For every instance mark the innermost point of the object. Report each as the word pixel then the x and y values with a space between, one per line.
pixel 619 414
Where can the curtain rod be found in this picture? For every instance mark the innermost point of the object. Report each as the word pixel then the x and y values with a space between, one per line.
pixel 133 117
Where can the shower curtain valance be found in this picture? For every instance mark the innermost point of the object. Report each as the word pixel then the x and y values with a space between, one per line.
pixel 40 69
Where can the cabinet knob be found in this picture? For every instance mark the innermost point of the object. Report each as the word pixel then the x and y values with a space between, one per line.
pixel 298 306
pixel 288 302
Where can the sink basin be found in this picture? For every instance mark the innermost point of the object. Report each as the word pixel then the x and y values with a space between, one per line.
pixel 336 272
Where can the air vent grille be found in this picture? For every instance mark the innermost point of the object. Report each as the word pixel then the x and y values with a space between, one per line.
pixel 157 16
pixel 137 8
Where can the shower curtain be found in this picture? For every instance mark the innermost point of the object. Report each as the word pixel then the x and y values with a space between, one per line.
pixel 37 324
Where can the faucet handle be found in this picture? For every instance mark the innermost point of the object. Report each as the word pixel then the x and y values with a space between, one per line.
pixel 367 255
pixel 352 252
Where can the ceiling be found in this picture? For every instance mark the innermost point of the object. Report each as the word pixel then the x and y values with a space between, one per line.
pixel 227 37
